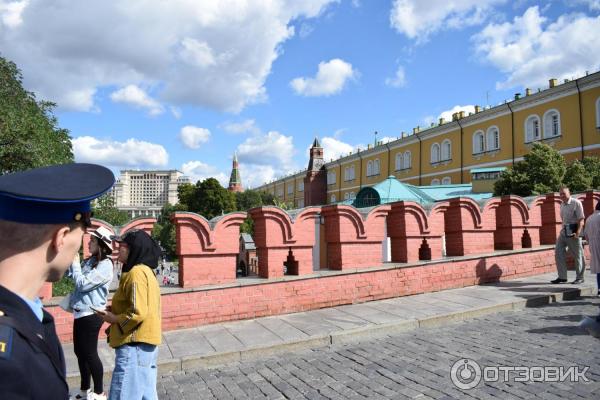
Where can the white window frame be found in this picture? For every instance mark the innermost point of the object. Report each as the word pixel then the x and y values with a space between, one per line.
pixel 549 124
pixel 598 114
pixel 333 198
pixel 492 138
pixel 446 180
pixel 369 168
pixel 435 182
pixel 399 161
pixel 346 196
pixel 530 128
pixel 301 186
pixel 331 178
pixel 376 167
pixel 478 142
pixel 446 144
pixel 435 153
pixel 407 160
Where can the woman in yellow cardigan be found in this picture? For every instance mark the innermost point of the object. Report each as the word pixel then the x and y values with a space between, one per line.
pixel 135 318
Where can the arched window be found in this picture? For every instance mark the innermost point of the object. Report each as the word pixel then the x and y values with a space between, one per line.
pixel 398 161
pixel 446 150
pixel 333 199
pixel 346 196
pixel 435 182
pixel 551 124
pixel 370 168
pixel 478 142
pixel 446 180
pixel 492 138
pixel 376 167
pixel 435 153
pixel 407 159
pixel 352 195
pixel 532 128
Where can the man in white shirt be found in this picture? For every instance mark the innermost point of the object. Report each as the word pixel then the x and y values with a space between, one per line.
pixel 571 214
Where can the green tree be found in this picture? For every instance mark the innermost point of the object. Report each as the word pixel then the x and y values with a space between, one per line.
pixel 577 178
pixel 592 166
pixel 29 132
pixel 104 209
pixel 541 171
pixel 186 194
pixel 164 230
pixel 211 199
pixel 513 181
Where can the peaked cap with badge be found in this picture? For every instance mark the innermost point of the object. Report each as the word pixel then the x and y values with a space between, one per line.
pixel 53 195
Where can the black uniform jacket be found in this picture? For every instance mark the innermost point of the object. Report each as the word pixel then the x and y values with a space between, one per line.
pixel 26 371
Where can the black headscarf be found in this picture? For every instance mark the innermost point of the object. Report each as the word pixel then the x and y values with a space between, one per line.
pixel 142 250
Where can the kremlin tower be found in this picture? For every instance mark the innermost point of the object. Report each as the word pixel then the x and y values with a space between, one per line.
pixel 235 180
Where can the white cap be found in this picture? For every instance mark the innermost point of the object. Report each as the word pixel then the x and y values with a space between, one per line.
pixel 104 234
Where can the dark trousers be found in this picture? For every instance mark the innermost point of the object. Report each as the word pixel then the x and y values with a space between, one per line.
pixel 85 343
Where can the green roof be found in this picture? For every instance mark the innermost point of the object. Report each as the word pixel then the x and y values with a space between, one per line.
pixel 491 169
pixel 391 190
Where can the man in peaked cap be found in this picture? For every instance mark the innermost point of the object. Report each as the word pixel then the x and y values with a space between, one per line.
pixel 43 215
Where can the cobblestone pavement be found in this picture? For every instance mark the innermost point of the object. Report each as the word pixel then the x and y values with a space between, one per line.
pixel 415 364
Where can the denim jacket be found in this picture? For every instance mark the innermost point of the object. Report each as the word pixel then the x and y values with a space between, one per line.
pixel 91 285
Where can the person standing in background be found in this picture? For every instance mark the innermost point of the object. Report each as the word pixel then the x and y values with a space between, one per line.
pixel 91 290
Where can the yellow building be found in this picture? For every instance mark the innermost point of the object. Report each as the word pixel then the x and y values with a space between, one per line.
pixel 565 116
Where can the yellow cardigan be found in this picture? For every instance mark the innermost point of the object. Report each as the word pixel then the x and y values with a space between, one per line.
pixel 136 304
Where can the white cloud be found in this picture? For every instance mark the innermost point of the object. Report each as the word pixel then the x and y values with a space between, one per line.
pixel 530 51
pixel 263 157
pixel 215 54
pixel 246 126
pixel 138 98
pixel 334 148
pixel 199 171
pixel 176 111
pixel 132 153
pixel 447 115
pixel 331 78
pixel 593 5
pixel 254 175
pixel 419 19
pixel 272 148
pixel 192 136
pixel 10 12
pixel 399 80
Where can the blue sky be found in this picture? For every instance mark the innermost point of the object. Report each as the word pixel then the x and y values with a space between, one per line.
pixel 184 84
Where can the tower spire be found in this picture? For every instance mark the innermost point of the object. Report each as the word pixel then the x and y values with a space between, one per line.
pixel 235 179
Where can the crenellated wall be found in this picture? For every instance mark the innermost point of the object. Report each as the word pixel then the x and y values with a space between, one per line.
pixel 502 238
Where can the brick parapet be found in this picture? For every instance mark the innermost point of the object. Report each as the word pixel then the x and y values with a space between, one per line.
pixel 185 308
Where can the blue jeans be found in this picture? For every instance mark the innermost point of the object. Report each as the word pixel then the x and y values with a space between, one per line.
pixel 134 376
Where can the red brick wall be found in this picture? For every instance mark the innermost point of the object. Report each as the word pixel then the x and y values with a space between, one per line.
pixel 192 308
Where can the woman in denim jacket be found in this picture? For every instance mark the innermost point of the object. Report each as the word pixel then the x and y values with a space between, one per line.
pixel 91 290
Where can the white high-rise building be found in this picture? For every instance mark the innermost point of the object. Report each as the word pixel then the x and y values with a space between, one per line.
pixel 144 193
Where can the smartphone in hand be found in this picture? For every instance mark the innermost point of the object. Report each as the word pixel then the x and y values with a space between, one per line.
pixel 98 310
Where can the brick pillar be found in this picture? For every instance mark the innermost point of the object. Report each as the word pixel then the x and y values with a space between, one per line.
pixel 514 227
pixel 467 231
pixel 548 208
pixel 589 200
pixel 45 292
pixel 276 233
pixel 407 226
pixel 354 238
pixel 207 250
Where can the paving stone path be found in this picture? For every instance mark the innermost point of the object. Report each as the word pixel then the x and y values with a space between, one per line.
pixel 415 364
